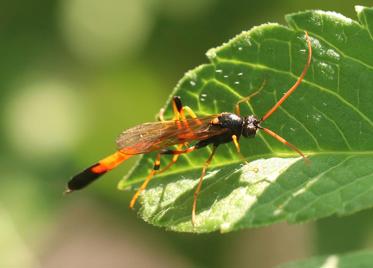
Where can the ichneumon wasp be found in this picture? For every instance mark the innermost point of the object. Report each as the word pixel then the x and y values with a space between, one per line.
pixel 180 131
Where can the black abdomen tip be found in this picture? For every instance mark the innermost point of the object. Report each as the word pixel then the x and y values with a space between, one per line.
pixel 83 179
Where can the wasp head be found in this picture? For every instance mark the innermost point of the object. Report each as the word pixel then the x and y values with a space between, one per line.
pixel 250 126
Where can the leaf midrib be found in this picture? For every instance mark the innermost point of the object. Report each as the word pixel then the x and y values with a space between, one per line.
pixel 254 157
pixel 289 190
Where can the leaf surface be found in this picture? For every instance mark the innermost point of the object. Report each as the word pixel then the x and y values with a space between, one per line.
pixel 329 117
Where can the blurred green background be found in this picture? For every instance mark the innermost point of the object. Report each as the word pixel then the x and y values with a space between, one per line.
pixel 73 75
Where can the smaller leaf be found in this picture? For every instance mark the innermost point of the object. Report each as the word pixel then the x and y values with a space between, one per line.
pixel 359 259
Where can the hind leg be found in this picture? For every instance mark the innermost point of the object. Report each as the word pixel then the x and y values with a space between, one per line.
pixel 157 164
pixel 179 114
pixel 205 166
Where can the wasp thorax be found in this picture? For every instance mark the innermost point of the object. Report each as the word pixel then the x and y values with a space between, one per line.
pixel 250 126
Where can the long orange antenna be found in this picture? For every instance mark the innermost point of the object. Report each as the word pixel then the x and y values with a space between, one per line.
pixel 282 140
pixel 294 87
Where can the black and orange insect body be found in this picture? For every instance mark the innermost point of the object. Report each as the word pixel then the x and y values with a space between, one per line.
pixel 181 132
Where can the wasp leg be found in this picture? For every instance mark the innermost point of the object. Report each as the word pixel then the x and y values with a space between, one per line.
pixel 205 166
pixel 179 116
pixel 174 159
pixel 237 107
pixel 199 145
pixel 157 165
pixel 191 114
pixel 243 158
pixel 178 152
pixel 179 110
pixel 155 169
pixel 179 113
pixel 237 145
pixel 189 111
pixel 178 107
pixel 161 115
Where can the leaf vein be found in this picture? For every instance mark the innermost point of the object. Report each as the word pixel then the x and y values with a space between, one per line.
pixel 321 88
pixel 336 127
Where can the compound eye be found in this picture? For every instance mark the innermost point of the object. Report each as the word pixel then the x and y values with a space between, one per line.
pixel 250 131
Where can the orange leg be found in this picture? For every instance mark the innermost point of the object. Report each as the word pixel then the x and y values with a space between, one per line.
pixel 157 164
pixel 176 152
pixel 205 166
pixel 178 114
pixel 179 108
pixel 237 145
pixel 173 161
pixel 155 171
pixel 161 115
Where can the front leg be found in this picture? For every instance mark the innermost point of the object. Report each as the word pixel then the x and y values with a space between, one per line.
pixel 237 145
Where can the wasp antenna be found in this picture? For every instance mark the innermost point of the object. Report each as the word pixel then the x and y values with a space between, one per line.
pixel 297 83
pixel 282 140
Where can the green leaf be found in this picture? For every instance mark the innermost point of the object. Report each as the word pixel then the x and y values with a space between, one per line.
pixel 329 117
pixel 360 259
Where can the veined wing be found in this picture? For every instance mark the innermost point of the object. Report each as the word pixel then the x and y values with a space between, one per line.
pixel 151 137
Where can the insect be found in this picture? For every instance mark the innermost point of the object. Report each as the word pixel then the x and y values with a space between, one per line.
pixel 181 131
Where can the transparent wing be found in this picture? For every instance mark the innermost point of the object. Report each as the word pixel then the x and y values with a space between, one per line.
pixel 151 137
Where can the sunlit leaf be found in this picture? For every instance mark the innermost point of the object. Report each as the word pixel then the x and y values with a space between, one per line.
pixel 329 117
